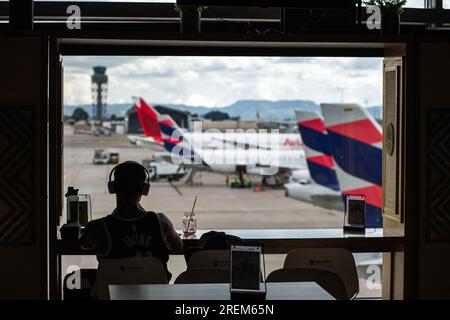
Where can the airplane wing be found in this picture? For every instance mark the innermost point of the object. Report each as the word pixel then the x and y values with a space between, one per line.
pixel 315 194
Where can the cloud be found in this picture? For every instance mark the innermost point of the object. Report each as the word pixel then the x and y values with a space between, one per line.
pixel 220 81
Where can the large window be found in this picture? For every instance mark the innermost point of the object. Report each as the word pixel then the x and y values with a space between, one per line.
pixel 226 93
pixel 250 93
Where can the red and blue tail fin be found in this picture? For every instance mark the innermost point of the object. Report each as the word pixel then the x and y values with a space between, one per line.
pixel 176 142
pixel 318 149
pixel 170 132
pixel 148 117
pixel 356 140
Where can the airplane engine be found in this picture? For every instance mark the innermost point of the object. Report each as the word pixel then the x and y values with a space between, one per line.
pixel 261 170
pixel 224 168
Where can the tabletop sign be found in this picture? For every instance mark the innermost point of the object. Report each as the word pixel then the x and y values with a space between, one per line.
pixel 355 213
pixel 245 277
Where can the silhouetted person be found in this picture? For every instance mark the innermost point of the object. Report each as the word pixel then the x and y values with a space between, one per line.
pixel 130 230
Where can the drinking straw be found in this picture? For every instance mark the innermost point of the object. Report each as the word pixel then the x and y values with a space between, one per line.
pixel 192 213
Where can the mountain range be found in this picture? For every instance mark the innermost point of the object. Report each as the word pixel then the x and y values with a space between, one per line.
pixel 245 109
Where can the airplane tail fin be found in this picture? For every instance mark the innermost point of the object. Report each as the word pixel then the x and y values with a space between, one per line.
pixel 176 142
pixel 317 149
pixel 170 132
pixel 356 140
pixel 148 117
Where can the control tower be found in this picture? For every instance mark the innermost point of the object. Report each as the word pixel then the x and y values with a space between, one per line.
pixel 99 88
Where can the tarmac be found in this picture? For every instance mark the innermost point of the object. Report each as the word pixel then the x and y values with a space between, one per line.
pixel 217 207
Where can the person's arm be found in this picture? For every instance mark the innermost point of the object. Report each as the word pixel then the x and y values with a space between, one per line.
pixel 171 235
pixel 88 241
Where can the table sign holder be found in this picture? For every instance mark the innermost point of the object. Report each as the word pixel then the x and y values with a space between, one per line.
pixel 85 209
pixel 355 214
pixel 241 259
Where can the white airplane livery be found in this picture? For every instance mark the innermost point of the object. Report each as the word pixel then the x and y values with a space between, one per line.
pixel 261 161
pixel 211 139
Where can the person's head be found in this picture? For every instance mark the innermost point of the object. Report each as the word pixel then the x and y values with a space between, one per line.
pixel 130 180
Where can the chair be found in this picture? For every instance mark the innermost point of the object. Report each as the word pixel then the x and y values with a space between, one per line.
pixel 328 280
pixel 135 270
pixel 203 276
pixel 337 260
pixel 188 252
pixel 210 259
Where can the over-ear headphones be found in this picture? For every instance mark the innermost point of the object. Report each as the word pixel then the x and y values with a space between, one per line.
pixel 112 188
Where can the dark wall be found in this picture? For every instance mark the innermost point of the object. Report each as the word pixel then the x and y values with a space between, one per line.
pixel 134 126
pixel 23 148
pixel 434 178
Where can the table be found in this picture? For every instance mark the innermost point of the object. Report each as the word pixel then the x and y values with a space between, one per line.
pixel 276 242
pixel 283 241
pixel 215 291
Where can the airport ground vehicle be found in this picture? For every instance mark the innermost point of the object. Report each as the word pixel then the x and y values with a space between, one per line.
pixel 236 183
pixel 106 156
pixel 100 131
pixel 164 170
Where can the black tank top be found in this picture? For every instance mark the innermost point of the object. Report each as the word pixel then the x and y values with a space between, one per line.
pixel 139 236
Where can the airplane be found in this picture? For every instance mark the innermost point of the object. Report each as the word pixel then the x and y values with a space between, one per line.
pixel 148 117
pixel 350 133
pixel 356 139
pixel 323 188
pixel 212 139
pixel 257 162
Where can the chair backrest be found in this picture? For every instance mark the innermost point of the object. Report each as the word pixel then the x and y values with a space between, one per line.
pixel 210 259
pixel 203 276
pixel 135 270
pixel 328 280
pixel 337 260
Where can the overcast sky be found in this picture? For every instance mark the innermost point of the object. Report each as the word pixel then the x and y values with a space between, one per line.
pixel 220 81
